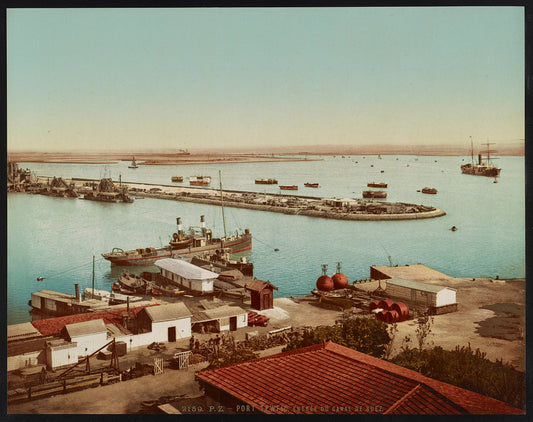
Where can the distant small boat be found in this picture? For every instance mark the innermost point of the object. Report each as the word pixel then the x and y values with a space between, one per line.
pixel 200 180
pixel 133 164
pixel 266 182
pixel 453 229
pixel 377 194
pixel 288 187
pixel 432 191
pixel 177 178
pixel 311 185
pixel 376 185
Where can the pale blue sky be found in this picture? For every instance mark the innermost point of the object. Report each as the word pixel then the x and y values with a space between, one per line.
pixel 198 78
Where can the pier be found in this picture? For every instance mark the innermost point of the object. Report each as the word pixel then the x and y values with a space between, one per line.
pixel 309 206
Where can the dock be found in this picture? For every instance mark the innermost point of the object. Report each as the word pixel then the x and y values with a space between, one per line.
pixel 309 206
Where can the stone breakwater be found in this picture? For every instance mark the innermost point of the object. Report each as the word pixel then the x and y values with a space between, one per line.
pixel 353 209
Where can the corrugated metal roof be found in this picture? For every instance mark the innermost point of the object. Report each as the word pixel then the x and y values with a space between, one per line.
pixel 331 379
pixel 224 312
pixel 52 326
pixel 85 328
pixel 19 331
pixel 185 269
pixel 168 312
pixel 49 294
pixel 415 285
pixel 258 285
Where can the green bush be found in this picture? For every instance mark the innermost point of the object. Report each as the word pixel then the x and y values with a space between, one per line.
pixel 225 359
pixel 468 369
pixel 366 335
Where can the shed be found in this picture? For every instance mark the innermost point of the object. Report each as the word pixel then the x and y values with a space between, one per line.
pixel 262 294
pixel 339 202
pixel 89 335
pixel 166 322
pixel 186 275
pixel 222 318
pixel 421 293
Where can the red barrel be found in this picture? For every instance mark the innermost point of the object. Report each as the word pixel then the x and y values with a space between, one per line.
pixel 391 317
pixel 374 305
pixel 385 304
pixel 381 315
pixel 403 311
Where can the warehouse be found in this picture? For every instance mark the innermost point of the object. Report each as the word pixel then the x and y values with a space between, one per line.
pixel 185 275
pixel 438 299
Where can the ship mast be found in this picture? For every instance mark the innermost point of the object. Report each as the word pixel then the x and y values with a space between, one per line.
pixel 222 202
pixel 472 148
pixel 488 144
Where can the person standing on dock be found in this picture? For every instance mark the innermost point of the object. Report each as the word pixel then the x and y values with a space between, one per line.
pixel 191 343
pixel 217 345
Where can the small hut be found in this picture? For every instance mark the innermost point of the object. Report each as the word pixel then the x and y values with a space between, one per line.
pixel 262 294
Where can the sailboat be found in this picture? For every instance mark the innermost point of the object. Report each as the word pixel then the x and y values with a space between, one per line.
pixel 482 168
pixel 197 241
pixel 133 164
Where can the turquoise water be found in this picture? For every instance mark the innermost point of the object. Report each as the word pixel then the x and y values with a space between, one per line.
pixel 56 238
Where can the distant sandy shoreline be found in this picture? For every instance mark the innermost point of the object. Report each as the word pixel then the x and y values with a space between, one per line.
pixel 228 156
pixel 158 161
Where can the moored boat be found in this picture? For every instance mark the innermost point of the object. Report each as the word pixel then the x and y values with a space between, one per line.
pixel 220 260
pixel 197 241
pixel 177 178
pixel 107 191
pixel 311 185
pixel 482 168
pixel 266 182
pixel 376 185
pixel 376 194
pixel 132 283
pixel 288 187
pixel 133 164
pixel 200 180
pixel 431 191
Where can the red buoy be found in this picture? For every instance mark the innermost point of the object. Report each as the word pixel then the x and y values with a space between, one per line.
pixel 324 283
pixel 340 281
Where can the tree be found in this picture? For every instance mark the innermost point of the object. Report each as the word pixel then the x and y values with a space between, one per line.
pixel 366 335
pixel 423 329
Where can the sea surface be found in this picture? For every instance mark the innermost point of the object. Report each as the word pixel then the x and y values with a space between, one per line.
pixel 56 238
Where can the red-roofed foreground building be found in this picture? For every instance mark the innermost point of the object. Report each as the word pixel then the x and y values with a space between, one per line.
pixel 329 378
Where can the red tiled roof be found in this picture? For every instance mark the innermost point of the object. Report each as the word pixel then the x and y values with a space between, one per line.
pixel 55 325
pixel 332 379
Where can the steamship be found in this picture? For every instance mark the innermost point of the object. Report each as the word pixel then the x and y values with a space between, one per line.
pixel 482 168
pixel 196 241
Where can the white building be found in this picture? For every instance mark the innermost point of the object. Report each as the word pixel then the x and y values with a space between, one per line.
pixel 223 318
pixel 186 275
pixel 88 335
pixel 421 293
pixel 166 322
